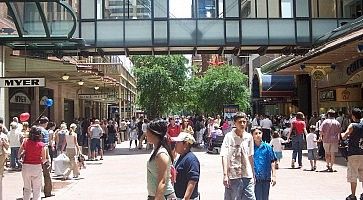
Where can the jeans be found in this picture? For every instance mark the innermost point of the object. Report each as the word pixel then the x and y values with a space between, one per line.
pixel 240 189
pixel 14 161
pixel 47 180
pixel 297 145
pixel 262 189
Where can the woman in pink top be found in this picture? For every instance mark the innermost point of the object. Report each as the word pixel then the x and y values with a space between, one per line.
pixel 34 153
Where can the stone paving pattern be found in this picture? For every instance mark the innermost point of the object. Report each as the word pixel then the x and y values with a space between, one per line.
pixel 122 175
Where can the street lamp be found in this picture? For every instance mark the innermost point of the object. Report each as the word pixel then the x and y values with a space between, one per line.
pixel 96 87
pixel 65 77
pixel 80 82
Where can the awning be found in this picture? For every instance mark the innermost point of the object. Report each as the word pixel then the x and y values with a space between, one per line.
pixel 339 37
pixel 37 24
pixel 266 85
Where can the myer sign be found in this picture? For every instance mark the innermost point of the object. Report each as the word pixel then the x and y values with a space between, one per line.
pixel 92 96
pixel 22 82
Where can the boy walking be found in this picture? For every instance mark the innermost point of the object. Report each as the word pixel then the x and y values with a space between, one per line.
pixel 264 163
pixel 312 146
pixel 237 161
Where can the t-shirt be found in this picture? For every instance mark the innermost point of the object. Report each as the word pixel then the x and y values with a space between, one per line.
pixel 123 125
pixel 45 135
pixel 330 130
pixel 263 158
pixel 33 152
pixel 96 131
pixel 355 142
pixel 144 127
pixel 61 138
pixel 14 137
pixel 70 140
pixel 152 175
pixel 5 138
pixel 188 169
pixel 266 123
pixel 173 131
pixel 276 144
pixel 311 141
pixel 237 151
pixel 299 126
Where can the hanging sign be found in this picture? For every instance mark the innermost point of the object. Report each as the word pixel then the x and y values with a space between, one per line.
pixel 21 82
pixel 92 96
pixel 20 98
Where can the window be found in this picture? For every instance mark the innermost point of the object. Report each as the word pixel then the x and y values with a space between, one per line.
pixel 327 9
pixel 349 8
pixel 274 8
pixel 323 8
pixel 287 9
pixel 261 8
pixel 248 9
pixel 302 8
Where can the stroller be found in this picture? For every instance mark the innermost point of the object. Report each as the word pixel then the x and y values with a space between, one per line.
pixel 215 141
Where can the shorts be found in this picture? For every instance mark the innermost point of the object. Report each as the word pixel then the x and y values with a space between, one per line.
pixel 330 147
pixel 355 168
pixel 95 144
pixel 278 154
pixel 313 154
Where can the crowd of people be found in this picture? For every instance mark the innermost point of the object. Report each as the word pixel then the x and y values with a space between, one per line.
pixel 34 149
pixel 251 150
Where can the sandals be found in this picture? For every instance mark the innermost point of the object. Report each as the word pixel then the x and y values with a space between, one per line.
pixel 351 197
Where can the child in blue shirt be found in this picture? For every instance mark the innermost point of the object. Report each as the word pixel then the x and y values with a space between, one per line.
pixel 264 164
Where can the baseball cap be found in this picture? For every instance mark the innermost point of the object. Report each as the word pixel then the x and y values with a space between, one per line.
pixel 184 137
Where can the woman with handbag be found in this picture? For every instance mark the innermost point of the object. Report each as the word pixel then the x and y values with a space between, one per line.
pixel 72 152
pixel 298 129
pixel 33 150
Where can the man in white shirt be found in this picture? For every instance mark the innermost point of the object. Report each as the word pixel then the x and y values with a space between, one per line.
pixel 237 161
pixel 15 138
pixel 256 121
pixel 266 125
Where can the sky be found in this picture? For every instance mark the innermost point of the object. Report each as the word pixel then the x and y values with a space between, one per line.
pixel 180 8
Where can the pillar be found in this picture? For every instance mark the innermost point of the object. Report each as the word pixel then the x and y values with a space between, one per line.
pixel 4 103
pixel 124 103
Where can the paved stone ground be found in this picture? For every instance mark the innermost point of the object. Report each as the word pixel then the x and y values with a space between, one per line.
pixel 122 175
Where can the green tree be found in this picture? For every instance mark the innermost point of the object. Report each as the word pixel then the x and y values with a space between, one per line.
pixel 160 80
pixel 220 86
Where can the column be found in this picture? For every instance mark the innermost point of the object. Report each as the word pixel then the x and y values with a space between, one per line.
pixel 124 102
pixel 4 106
pixel 38 109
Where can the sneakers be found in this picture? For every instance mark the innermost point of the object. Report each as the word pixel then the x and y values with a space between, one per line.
pixel 361 197
pixel 351 197
pixel 293 163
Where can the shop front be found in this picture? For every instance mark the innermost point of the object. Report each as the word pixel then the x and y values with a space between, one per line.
pixel 340 98
pixel 273 94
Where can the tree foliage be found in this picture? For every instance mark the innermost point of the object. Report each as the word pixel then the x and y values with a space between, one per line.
pixel 219 86
pixel 160 80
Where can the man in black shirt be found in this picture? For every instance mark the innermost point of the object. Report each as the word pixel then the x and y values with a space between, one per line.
pixel 354 134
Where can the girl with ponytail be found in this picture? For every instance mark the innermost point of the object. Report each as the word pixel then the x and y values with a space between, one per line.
pixel 159 184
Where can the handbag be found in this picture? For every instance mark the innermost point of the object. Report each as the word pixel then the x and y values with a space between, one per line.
pixel 343 148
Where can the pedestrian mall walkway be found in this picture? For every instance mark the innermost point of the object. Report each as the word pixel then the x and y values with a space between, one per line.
pixel 122 175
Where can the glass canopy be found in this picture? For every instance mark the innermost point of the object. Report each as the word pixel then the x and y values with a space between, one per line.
pixel 36 20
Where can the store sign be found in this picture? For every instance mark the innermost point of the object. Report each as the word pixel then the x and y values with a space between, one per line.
pixel 349 94
pixel 21 82
pixel 327 95
pixel 92 96
pixel 355 66
pixel 20 98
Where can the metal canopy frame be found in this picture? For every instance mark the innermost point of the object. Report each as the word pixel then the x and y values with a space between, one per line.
pixel 39 40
